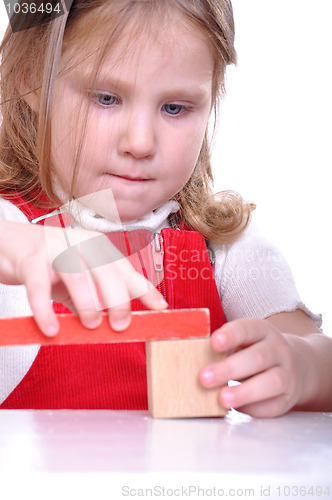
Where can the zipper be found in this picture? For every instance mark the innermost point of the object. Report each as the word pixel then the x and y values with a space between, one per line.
pixel 158 261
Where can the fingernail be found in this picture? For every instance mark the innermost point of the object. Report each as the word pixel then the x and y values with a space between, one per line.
pixel 220 341
pixel 94 324
pixel 51 330
pixel 163 303
pixel 207 377
pixel 120 325
pixel 228 398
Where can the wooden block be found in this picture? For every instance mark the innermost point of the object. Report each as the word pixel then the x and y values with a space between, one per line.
pixel 172 373
pixel 145 325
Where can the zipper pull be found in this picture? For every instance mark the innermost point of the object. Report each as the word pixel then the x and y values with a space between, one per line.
pixel 158 252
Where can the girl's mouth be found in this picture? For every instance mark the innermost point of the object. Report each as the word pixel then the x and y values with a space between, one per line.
pixel 129 178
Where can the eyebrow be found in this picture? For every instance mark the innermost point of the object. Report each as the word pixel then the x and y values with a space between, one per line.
pixel 105 81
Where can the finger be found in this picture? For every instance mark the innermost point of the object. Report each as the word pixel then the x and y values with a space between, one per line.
pixel 273 407
pixel 240 333
pixel 264 386
pixel 115 276
pixel 116 299
pixel 60 294
pixel 101 256
pixel 82 293
pixel 154 300
pixel 118 282
pixel 117 293
pixel 37 281
pixel 241 365
pixel 146 292
pixel 141 288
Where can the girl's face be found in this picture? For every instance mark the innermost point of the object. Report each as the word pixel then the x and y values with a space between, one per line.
pixel 141 123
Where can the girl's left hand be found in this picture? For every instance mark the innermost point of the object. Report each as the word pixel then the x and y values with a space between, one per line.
pixel 272 366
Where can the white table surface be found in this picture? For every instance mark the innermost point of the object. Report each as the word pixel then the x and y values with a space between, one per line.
pixel 129 451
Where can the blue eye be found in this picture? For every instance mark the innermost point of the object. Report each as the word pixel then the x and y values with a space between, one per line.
pixel 105 99
pixel 174 109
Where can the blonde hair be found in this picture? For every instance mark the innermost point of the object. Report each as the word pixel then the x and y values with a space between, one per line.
pixel 30 65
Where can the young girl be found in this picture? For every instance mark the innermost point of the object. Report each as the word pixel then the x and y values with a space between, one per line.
pixel 105 114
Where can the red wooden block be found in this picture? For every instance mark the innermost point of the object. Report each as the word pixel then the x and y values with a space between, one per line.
pixel 145 326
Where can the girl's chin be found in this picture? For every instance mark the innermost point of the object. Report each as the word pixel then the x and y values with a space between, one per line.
pixel 130 218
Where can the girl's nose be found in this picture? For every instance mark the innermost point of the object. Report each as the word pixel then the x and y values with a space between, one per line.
pixel 138 137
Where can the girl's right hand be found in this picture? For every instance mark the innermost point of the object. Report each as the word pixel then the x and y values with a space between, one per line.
pixel 26 256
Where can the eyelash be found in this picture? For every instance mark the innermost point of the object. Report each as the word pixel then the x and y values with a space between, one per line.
pixel 98 96
pixel 112 100
pixel 183 108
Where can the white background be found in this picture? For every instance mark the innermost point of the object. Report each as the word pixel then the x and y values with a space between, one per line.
pixel 274 138
pixel 275 134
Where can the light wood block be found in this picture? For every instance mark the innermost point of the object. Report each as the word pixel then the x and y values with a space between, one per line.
pixel 145 325
pixel 172 373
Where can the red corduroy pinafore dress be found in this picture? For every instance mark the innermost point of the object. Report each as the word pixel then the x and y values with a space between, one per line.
pixel 113 376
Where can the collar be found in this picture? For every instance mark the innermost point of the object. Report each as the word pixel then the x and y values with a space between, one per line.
pixel 84 218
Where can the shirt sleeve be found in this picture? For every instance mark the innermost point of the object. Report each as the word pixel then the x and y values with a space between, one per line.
pixel 10 212
pixel 15 361
pixel 254 280
pixel 13 299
